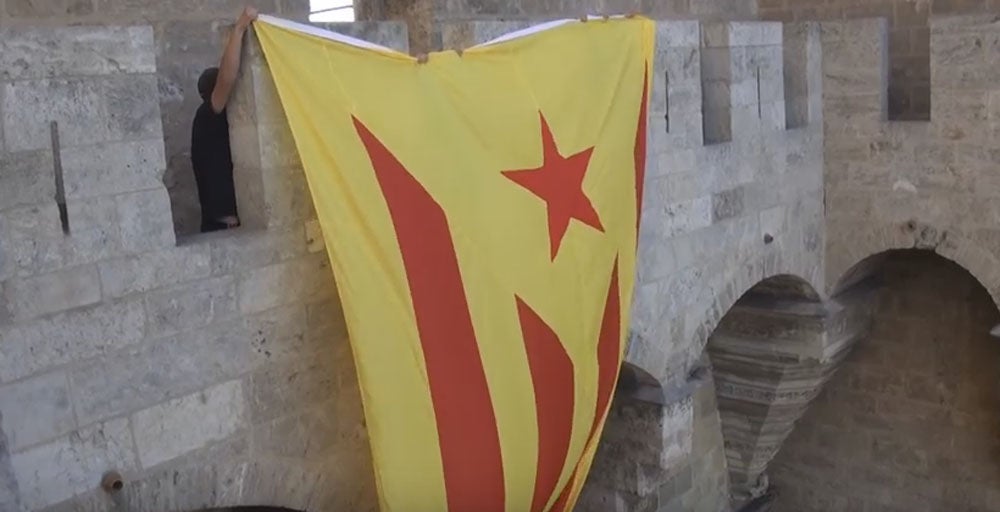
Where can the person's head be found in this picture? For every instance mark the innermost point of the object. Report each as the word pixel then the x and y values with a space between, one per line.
pixel 206 83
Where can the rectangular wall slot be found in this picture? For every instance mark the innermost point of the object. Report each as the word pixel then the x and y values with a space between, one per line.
pixel 666 96
pixel 60 189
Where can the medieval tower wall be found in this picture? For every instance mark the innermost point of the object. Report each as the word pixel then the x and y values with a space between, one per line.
pixel 214 371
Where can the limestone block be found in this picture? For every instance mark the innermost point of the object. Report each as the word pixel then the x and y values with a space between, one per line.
pixel 297 10
pixel 48 8
pixel 136 377
pixel 279 334
pixel 27 178
pixel 144 272
pixel 277 146
pixel 38 53
pixel 312 435
pixel 36 410
pixel 743 91
pixel 190 306
pixel 466 34
pixel 113 168
pixel 171 429
pixel 207 477
pixel 242 250
pixel 54 472
pixel 145 221
pixel 75 335
pixel 727 204
pixel 305 278
pixel 287 197
pixel 151 10
pixel 740 33
pixel 94 233
pixel 390 34
pixel 35 243
pixel 30 297
pixel 677 33
pixel 291 386
pixel 88 111
pixel 271 480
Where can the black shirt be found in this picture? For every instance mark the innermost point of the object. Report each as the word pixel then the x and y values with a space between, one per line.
pixel 213 165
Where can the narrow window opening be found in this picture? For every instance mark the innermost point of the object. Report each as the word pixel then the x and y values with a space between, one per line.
pixel 58 171
pixel 760 109
pixel 666 96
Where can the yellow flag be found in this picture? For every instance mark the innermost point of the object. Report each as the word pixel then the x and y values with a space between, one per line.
pixel 480 211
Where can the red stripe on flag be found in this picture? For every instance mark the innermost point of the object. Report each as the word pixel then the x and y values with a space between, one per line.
pixel 466 422
pixel 639 152
pixel 608 363
pixel 553 381
pixel 608 350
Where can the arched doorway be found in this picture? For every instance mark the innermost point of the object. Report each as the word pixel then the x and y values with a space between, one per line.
pixel 770 355
pixel 910 421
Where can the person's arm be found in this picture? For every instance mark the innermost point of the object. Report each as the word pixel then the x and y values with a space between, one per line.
pixel 229 68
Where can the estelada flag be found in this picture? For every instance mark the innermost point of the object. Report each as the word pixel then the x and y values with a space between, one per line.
pixel 480 212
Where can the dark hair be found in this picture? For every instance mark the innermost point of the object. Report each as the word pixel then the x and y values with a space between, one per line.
pixel 206 83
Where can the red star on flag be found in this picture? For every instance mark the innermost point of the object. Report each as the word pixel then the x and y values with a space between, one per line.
pixel 559 182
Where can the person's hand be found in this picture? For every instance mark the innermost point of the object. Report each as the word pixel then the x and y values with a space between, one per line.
pixel 248 16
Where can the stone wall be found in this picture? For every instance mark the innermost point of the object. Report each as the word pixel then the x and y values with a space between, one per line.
pixel 902 185
pixel 909 49
pixel 909 423
pixel 188 37
pixel 909 38
pixel 426 18
pixel 211 373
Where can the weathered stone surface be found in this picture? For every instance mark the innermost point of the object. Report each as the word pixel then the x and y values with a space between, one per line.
pixel 112 168
pixel 386 33
pixel 32 297
pixel 295 280
pixel 56 471
pixel 137 377
pixel 27 178
pixel 286 388
pixel 240 250
pixel 88 111
pixel 29 347
pixel 174 428
pixel 9 495
pixel 144 220
pixel 46 8
pixel 141 273
pixel 190 306
pixel 36 53
pixel 38 409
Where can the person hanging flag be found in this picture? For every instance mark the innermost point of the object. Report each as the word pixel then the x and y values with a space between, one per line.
pixel 480 210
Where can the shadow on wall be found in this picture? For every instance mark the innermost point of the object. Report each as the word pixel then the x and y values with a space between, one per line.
pixel 910 420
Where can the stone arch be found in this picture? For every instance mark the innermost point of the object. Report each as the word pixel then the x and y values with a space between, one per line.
pixel 645 459
pixel 770 355
pixel 849 262
pixel 911 415
pixel 779 284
